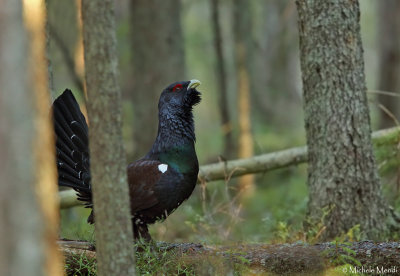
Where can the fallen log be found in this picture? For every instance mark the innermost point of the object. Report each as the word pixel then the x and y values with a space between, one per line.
pixel 283 259
pixel 279 159
pixel 256 164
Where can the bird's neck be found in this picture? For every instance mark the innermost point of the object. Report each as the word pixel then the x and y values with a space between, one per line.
pixel 175 142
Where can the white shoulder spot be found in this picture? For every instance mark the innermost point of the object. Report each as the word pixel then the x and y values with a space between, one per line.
pixel 163 168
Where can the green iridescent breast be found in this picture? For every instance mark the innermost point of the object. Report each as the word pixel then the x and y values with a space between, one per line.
pixel 182 158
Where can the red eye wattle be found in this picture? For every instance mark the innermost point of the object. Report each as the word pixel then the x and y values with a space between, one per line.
pixel 177 87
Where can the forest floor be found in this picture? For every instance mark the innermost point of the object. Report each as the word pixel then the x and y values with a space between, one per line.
pixel 357 258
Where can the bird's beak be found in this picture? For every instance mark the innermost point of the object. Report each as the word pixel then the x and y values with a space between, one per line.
pixel 193 84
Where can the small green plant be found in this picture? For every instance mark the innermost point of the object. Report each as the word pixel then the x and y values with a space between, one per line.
pixel 282 231
pixel 80 265
pixel 342 254
pixel 316 227
pixel 354 234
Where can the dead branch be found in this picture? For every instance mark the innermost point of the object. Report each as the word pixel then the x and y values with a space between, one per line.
pixel 255 164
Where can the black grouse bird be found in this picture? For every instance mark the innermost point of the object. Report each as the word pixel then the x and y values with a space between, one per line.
pixel 161 180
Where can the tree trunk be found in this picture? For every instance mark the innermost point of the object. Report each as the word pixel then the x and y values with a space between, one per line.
pixel 389 58
pixel 226 124
pixel 17 194
pixel 29 213
pixel 242 26
pixel 44 152
pixel 158 60
pixel 342 176
pixel 108 166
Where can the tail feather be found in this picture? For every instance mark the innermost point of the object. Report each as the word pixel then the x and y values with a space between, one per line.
pixel 80 131
pixel 72 146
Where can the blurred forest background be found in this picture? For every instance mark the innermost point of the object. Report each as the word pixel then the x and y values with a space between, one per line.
pixel 246 53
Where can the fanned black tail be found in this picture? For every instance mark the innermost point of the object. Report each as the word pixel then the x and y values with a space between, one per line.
pixel 72 146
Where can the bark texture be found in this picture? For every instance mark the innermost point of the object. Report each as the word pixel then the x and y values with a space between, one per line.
pixel 389 61
pixel 342 174
pixel 242 25
pixel 158 60
pixel 21 222
pixel 108 165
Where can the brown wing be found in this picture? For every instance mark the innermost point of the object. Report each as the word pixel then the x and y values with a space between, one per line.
pixel 143 175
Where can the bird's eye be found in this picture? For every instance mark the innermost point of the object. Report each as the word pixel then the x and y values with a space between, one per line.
pixel 177 87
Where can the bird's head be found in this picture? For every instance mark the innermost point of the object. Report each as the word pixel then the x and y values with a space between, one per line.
pixel 179 98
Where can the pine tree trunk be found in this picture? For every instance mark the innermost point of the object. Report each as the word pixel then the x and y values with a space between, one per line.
pixel 28 194
pixel 389 61
pixel 17 195
pixel 108 166
pixel 44 151
pixel 342 174
pixel 158 60
pixel 242 26
pixel 226 123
